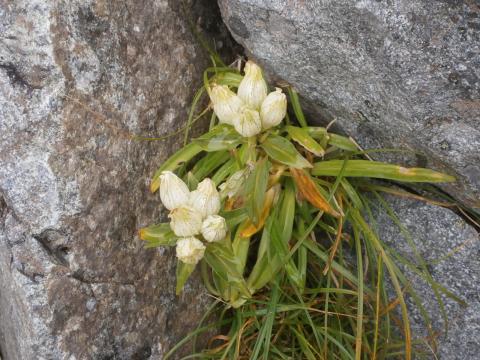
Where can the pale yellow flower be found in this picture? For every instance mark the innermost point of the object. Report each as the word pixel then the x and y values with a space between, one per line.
pixel 205 199
pixel 234 183
pixel 185 221
pixel 226 104
pixel 190 250
pixel 249 123
pixel 273 109
pixel 173 191
pixel 214 228
pixel 253 88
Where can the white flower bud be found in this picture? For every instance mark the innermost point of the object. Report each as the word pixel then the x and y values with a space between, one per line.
pixel 226 104
pixel 234 184
pixel 190 250
pixel 173 191
pixel 248 124
pixel 185 221
pixel 253 88
pixel 206 199
pixel 273 109
pixel 214 228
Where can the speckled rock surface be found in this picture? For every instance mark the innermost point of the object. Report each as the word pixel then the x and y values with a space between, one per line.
pixel 451 249
pixel 394 73
pixel 75 281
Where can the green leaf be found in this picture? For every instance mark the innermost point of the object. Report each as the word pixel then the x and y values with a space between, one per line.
pixel 304 344
pixel 211 161
pixel 226 265
pixel 338 141
pixel 287 211
pixel 229 79
pixel 192 181
pixel 255 189
pixel 297 108
pixel 341 142
pixel 373 169
pixel 224 171
pixel 301 136
pixel 158 235
pixel 240 247
pixel 352 194
pixel 183 155
pixel 264 270
pixel 234 217
pixel 183 273
pixel 221 137
pixel 279 246
pixel 283 151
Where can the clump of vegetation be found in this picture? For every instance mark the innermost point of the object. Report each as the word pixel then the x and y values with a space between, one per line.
pixel 278 216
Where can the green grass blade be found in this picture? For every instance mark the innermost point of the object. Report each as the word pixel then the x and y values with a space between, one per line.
pixel 198 95
pixel 297 108
pixel 368 233
pixel 263 339
pixel 359 328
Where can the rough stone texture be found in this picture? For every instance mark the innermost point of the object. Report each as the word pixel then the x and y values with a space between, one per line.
pixel 438 232
pixel 75 282
pixel 394 73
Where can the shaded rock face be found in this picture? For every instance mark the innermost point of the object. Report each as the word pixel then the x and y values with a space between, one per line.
pixel 451 249
pixel 401 73
pixel 77 78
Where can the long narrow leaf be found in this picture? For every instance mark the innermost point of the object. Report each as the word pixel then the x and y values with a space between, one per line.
pixel 301 136
pixel 183 273
pixel 373 169
pixel 183 155
pixel 158 235
pixel 255 190
pixel 310 191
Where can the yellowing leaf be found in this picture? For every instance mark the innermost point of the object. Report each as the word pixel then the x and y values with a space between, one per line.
pixel 309 190
pixel 374 169
pixel 158 235
pixel 249 228
pixel 301 136
pixel 283 151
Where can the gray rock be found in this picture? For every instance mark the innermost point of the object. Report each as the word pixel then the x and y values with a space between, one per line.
pixel 451 249
pixel 401 74
pixel 77 79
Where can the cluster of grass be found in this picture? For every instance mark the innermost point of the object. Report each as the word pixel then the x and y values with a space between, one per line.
pixel 342 307
pixel 330 295
pixel 333 289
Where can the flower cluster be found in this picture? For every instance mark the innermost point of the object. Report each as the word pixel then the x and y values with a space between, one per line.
pixel 192 214
pixel 251 110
